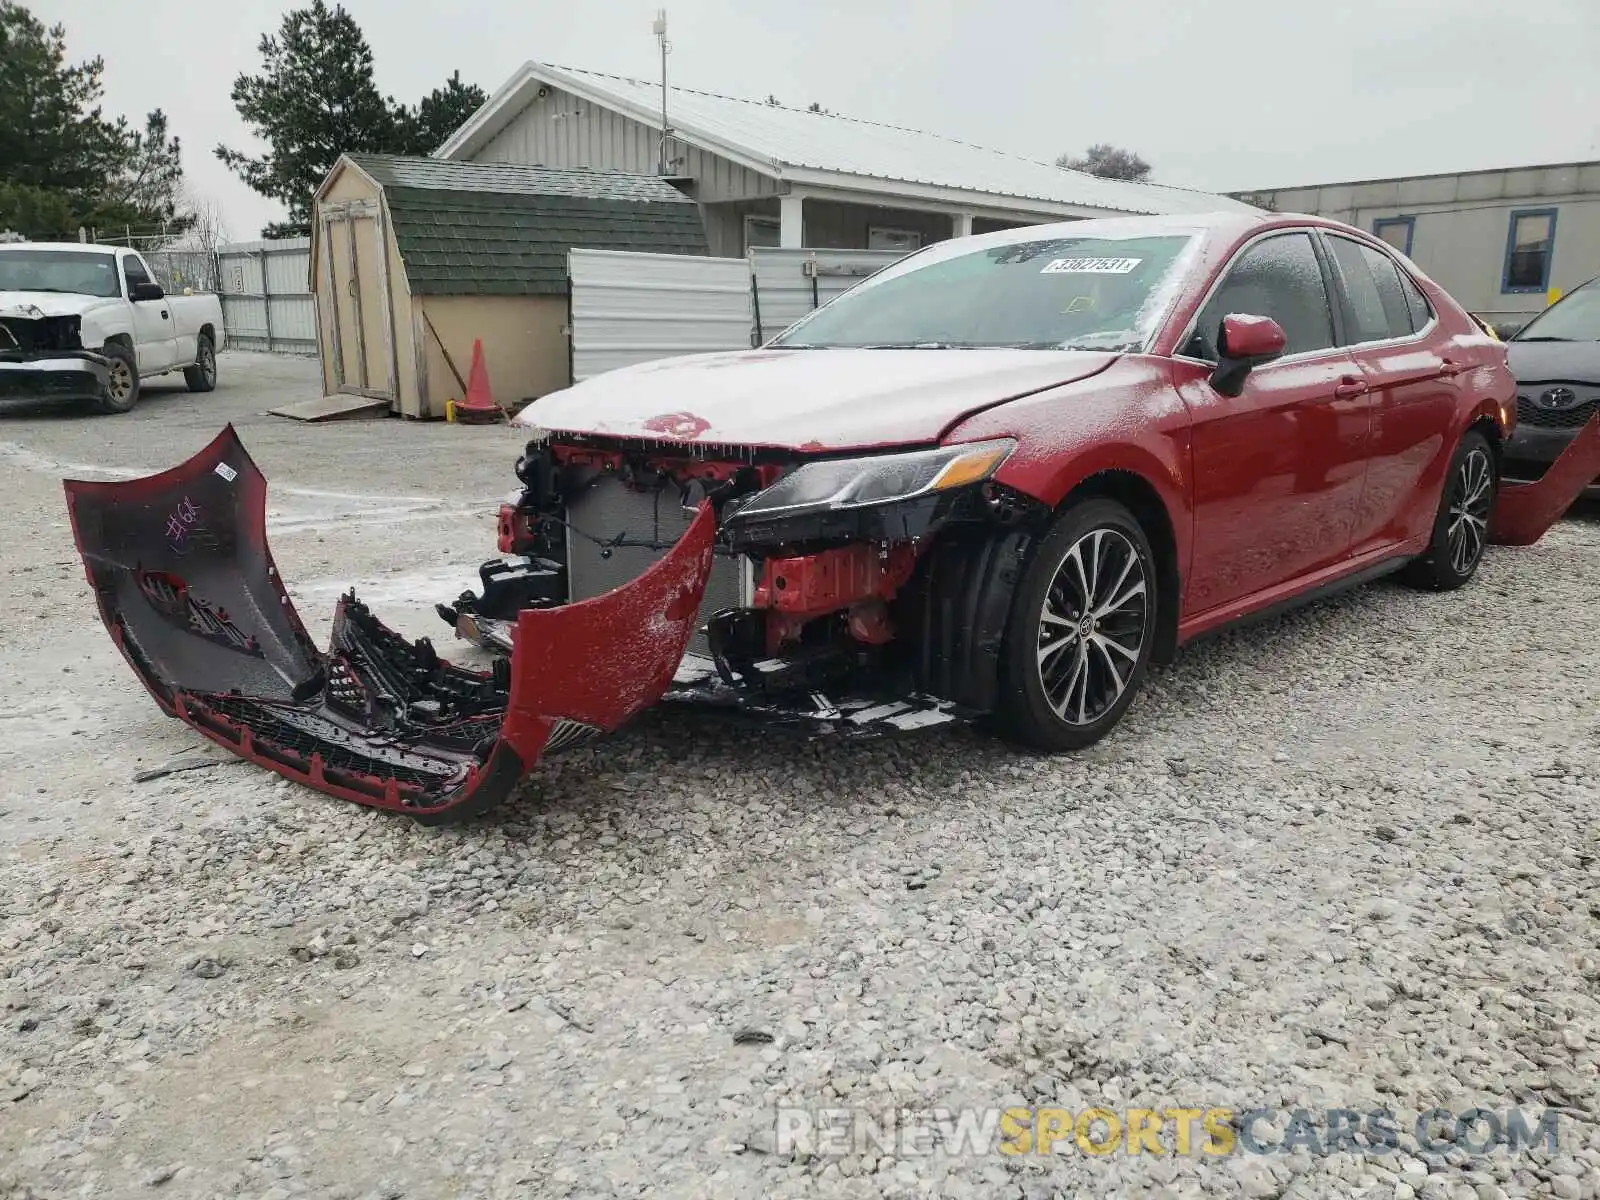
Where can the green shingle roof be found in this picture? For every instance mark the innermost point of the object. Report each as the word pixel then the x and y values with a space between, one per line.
pixel 471 229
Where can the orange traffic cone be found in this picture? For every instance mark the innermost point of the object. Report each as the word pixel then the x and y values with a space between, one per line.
pixel 477 407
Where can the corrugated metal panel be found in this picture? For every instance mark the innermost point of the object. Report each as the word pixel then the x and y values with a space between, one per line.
pixel 787 291
pixel 631 308
pixel 266 296
pixel 799 138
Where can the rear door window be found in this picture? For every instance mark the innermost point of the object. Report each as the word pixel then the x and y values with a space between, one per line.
pixel 1378 307
pixel 1421 310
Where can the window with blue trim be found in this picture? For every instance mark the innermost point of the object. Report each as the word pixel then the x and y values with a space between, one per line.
pixel 1530 245
pixel 1396 231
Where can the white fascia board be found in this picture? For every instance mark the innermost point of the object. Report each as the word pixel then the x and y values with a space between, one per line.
pixel 888 193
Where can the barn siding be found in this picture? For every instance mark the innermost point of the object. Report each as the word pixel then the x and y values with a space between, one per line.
pixel 562 130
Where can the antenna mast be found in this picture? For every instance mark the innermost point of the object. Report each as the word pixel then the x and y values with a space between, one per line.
pixel 660 29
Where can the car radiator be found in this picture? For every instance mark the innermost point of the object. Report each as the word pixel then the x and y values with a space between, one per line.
pixel 615 532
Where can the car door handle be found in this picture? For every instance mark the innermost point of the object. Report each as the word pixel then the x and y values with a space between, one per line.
pixel 1450 368
pixel 1349 387
pixel 163 314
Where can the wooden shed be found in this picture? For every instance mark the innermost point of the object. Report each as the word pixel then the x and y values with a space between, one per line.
pixel 412 259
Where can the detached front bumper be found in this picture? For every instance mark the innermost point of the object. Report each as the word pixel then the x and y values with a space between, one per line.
pixel 54 375
pixel 1531 449
pixel 1524 512
pixel 187 587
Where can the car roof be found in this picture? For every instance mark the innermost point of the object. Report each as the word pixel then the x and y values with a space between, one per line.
pixel 1222 224
pixel 71 247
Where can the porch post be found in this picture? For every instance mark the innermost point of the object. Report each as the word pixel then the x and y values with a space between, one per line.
pixel 961 225
pixel 791 221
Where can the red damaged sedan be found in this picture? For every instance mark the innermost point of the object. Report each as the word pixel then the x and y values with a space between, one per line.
pixel 995 481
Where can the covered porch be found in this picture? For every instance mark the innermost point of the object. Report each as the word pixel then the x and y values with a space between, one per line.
pixel 824 221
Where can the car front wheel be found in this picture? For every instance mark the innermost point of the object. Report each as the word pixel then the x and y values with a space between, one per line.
pixel 1081 629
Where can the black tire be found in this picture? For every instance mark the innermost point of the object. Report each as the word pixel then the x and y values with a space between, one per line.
pixel 202 377
pixel 1067 698
pixel 1461 529
pixel 123 391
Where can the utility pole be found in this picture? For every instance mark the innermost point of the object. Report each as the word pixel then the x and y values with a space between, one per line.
pixel 660 29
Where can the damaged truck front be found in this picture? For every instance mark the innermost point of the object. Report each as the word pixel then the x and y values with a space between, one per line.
pixel 42 357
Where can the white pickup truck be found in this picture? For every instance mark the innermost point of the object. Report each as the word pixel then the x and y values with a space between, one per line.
pixel 81 322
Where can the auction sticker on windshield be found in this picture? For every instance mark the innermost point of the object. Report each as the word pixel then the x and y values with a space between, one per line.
pixel 1090 266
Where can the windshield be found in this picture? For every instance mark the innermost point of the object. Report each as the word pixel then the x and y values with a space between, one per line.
pixel 1573 319
pixel 1061 293
pixel 58 271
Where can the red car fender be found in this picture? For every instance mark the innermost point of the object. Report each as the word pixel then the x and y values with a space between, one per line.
pixel 1052 482
pixel 1129 419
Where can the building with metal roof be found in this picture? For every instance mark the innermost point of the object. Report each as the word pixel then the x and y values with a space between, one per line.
pixel 415 259
pixel 1504 242
pixel 767 174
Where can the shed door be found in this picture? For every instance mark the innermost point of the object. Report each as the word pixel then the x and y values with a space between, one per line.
pixel 358 277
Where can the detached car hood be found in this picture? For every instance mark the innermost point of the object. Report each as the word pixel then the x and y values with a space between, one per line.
pixel 46 304
pixel 1553 362
pixel 806 399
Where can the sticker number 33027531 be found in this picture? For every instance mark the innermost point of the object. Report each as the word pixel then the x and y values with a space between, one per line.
pixel 1090 266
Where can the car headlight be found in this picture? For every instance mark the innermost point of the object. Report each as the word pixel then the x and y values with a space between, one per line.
pixel 847 483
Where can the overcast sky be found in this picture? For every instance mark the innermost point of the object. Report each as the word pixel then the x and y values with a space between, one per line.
pixel 1223 96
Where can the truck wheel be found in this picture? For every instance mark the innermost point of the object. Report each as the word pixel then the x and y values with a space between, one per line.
pixel 202 377
pixel 1081 629
pixel 122 392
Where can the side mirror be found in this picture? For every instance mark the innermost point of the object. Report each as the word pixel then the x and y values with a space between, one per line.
pixel 1243 343
pixel 146 291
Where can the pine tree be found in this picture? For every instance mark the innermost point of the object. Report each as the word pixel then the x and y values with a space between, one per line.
pixel 315 100
pixel 441 112
pixel 1109 162
pixel 62 161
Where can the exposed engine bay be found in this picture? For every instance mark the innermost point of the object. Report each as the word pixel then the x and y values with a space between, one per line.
pixel 820 616
pixel 37 334
pixel 42 358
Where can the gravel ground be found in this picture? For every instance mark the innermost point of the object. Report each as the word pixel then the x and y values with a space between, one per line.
pixel 1342 859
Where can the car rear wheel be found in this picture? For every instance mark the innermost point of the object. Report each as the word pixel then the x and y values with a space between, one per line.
pixel 1081 629
pixel 1461 530
pixel 122 390
pixel 202 377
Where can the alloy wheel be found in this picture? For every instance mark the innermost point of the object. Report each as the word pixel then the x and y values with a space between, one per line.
pixel 208 364
pixel 1092 626
pixel 1471 494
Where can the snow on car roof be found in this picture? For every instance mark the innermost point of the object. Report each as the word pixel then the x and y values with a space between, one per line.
pixel 69 247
